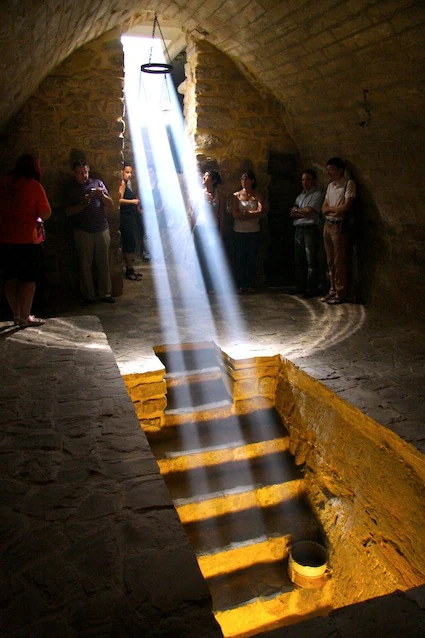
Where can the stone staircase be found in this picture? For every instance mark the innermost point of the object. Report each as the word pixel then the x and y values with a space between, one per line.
pixel 236 489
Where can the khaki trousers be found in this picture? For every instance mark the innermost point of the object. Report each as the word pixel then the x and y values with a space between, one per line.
pixel 336 247
pixel 93 249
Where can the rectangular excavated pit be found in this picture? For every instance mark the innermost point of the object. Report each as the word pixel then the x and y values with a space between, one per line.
pixel 258 455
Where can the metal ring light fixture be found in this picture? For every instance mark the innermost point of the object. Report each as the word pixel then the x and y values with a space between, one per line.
pixel 157 67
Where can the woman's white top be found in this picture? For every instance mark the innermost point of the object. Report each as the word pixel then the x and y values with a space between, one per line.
pixel 247 225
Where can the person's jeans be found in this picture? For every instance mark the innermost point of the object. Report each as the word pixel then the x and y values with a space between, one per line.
pixel 306 244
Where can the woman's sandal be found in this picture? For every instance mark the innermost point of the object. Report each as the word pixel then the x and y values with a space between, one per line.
pixel 30 322
pixel 326 298
pixel 133 276
pixel 333 301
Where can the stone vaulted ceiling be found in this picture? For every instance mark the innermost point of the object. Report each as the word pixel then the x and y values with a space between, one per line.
pixel 335 65
pixel 288 45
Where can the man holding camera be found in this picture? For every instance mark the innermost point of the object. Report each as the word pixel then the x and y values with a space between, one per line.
pixel 88 200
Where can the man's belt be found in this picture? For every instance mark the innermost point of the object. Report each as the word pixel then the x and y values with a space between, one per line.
pixel 331 220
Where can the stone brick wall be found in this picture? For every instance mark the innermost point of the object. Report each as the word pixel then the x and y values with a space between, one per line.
pixel 235 124
pixel 232 123
pixel 251 382
pixel 364 482
pixel 148 392
pixel 75 113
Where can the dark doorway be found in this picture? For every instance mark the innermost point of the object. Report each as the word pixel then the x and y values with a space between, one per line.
pixel 285 184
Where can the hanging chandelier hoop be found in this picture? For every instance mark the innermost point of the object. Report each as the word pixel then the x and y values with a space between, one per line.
pixel 157 67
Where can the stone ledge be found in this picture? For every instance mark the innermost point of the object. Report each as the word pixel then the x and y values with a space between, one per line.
pixel 91 540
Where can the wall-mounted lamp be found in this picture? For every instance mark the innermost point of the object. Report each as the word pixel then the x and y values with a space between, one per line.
pixel 366 107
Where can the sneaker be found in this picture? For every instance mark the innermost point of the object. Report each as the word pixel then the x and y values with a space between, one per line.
pixel 108 300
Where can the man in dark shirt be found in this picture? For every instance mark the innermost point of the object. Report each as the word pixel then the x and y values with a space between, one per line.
pixel 88 200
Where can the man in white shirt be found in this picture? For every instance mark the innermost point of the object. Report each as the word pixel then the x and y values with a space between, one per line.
pixel 306 214
pixel 339 199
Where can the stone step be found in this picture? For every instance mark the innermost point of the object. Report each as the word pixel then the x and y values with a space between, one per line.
pixel 254 582
pixel 181 378
pixel 233 432
pixel 188 357
pixel 292 517
pixel 221 410
pixel 218 454
pixel 244 554
pixel 192 395
pixel 275 468
pixel 236 500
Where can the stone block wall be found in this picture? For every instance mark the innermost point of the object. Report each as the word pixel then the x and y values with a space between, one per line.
pixel 251 382
pixel 75 113
pixel 365 484
pixel 148 392
pixel 233 124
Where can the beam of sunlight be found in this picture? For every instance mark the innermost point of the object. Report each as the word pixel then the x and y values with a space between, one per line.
pixel 160 145
pixel 177 273
pixel 187 312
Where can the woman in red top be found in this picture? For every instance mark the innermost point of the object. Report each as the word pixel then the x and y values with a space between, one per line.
pixel 22 201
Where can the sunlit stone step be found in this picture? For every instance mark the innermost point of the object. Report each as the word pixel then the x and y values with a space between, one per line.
pixel 198 483
pixel 187 357
pixel 245 554
pixel 184 377
pixel 292 516
pixel 237 500
pixel 221 410
pixel 264 613
pixel 203 393
pixel 233 431
pixel 215 455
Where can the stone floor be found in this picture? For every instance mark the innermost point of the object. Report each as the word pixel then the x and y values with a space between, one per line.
pixel 90 540
pixel 374 359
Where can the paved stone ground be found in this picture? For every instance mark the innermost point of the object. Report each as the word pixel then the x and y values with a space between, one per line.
pixel 90 540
